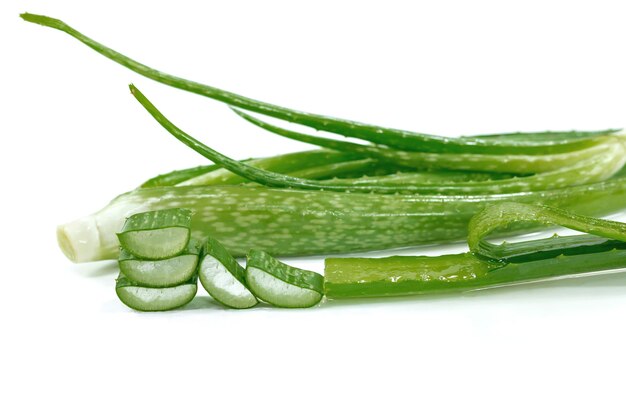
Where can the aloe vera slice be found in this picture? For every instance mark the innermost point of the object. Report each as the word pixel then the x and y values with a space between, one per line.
pixel 156 234
pixel 143 298
pixel 223 278
pixel 161 272
pixel 282 285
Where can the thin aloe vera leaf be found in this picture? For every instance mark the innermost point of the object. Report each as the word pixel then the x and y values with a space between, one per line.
pixel 156 234
pixel 401 139
pixel 178 176
pixel 422 177
pixel 597 168
pixel 547 136
pixel 515 164
pixel 501 215
pixel 362 171
pixel 347 169
pixel 288 222
pixel 280 284
pixel 162 272
pixel 614 148
pixel 287 163
pixel 144 298
pixel 223 278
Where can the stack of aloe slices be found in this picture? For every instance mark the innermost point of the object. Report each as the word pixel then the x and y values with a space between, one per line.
pixel 158 260
pixel 160 264
pixel 156 275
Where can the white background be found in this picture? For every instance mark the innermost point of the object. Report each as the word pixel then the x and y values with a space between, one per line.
pixel 73 138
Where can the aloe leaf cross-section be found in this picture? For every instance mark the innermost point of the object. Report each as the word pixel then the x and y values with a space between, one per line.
pixel 282 285
pixel 156 234
pixel 223 278
pixel 143 298
pixel 161 272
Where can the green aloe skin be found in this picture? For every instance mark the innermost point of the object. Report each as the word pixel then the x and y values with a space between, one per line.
pixel 488 265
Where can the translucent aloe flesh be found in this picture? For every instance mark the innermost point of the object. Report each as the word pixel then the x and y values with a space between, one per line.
pixel 282 285
pixel 518 143
pixel 223 278
pixel 156 234
pixel 162 272
pixel 604 248
pixel 143 298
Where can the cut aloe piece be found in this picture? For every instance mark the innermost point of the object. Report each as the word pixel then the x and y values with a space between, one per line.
pixel 161 272
pixel 143 298
pixel 223 278
pixel 156 234
pixel 282 285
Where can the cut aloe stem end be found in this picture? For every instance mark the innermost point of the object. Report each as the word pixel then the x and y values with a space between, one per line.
pixel 282 285
pixel 156 234
pixel 161 272
pixel 223 278
pixel 143 298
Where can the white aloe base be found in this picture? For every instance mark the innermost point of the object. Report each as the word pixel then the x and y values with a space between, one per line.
pixel 279 293
pixel 156 299
pixel 223 286
pixel 160 273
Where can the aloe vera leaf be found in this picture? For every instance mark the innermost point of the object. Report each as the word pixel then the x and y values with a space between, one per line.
pixel 617 152
pixel 547 136
pixel 597 168
pixel 223 278
pixel 403 275
pixel 143 298
pixel 156 234
pixel 178 176
pixel 288 222
pixel 279 163
pixel 280 284
pixel 515 164
pixel 421 275
pixel 162 272
pixel 400 139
